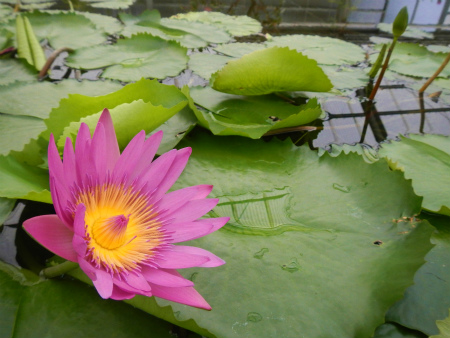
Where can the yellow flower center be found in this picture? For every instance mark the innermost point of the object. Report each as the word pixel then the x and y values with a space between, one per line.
pixel 122 230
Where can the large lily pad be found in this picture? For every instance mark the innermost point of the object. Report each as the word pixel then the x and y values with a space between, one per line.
pixel 205 64
pixel 249 116
pixel 410 32
pixel 414 60
pixel 58 304
pixel 270 70
pixel 308 237
pixel 165 99
pixel 12 70
pixel 428 299
pixel 23 108
pixel 23 181
pixel 425 160
pixel 324 50
pixel 237 25
pixel 142 55
pixel 66 29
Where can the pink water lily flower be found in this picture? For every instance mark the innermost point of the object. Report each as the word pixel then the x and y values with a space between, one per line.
pixel 115 218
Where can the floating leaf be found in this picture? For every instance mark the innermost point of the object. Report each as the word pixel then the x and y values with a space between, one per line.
pixel 249 116
pixel 303 229
pixel 110 4
pixel 239 49
pixel 58 304
pixel 106 23
pixel 22 181
pixel 6 206
pixel 444 328
pixel 23 107
pixel 207 32
pixel 346 77
pixel 205 64
pixel 270 70
pixel 77 106
pixel 391 330
pixel 425 160
pixel 66 29
pixel 415 60
pixel 238 25
pixel 438 48
pixel 428 299
pixel 324 50
pixel 28 46
pixel 410 32
pixel 130 59
pixel 12 70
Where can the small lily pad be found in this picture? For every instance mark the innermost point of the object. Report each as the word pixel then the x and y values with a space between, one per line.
pixel 325 50
pixel 249 116
pixel 130 59
pixel 271 70
pixel 236 25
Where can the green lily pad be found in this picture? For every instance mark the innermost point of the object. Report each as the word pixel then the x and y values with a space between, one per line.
pixel 106 23
pixel 110 4
pixel 327 51
pixel 392 330
pixel 303 230
pixel 159 97
pixel 177 127
pixel 23 181
pixel 270 70
pixel 438 48
pixel 411 32
pixel 236 25
pixel 425 160
pixel 205 64
pixel 6 206
pixel 249 116
pixel 188 34
pixel 58 304
pixel 415 60
pixel 428 299
pixel 346 77
pixel 12 70
pixel 23 108
pixel 66 29
pixel 444 328
pixel 131 59
pixel 239 49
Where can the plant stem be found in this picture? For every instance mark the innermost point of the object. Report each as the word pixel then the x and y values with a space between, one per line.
pixel 50 60
pixel 58 270
pixel 425 86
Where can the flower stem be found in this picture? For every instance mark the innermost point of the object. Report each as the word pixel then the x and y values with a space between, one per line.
pixel 58 270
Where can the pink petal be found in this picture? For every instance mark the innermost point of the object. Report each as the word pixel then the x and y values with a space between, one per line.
pixel 183 295
pixel 174 259
pixel 88 269
pixel 98 154
pixel 79 225
pixel 174 172
pixel 149 150
pixel 158 169
pixel 82 146
pixel 165 277
pixel 137 281
pixel 56 170
pixel 51 232
pixel 125 286
pixel 103 283
pixel 130 156
pixel 186 231
pixel 212 262
pixel 177 198
pixel 79 245
pixel 61 209
pixel 120 294
pixel 192 210
pixel 69 166
pixel 111 146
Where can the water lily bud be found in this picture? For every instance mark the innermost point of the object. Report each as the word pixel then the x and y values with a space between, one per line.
pixel 400 22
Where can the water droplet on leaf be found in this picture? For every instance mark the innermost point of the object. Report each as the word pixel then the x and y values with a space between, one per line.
pixel 292 266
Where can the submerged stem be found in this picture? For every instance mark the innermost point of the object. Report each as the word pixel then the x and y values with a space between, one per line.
pixel 58 270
